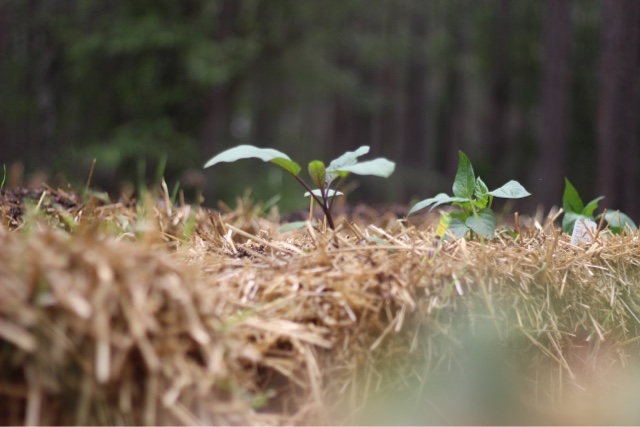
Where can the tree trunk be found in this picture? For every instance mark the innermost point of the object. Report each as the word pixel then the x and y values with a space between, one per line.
pixel 414 146
pixel 554 127
pixel 221 100
pixel 341 120
pixel 415 139
pixel 495 136
pixel 617 132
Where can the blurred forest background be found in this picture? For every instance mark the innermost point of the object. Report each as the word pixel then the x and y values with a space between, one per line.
pixel 530 90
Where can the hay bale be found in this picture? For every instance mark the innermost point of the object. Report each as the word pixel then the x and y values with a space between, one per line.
pixel 158 314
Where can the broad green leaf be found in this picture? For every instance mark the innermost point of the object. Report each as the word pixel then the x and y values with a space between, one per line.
pixel 457 228
pixel 249 151
pixel 484 223
pixel 591 206
pixel 465 181
pixel 318 193
pixel 619 222
pixel 482 194
pixel 317 173
pixel 435 201
pixel 569 219
pixel 377 167
pixel 511 190
pixel 295 225
pixel 347 159
pixel 571 201
pixel 481 189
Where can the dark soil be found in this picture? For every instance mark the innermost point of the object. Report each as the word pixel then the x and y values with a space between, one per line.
pixel 13 204
pixel 14 201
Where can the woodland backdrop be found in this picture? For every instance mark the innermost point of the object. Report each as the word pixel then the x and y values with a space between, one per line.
pixel 531 90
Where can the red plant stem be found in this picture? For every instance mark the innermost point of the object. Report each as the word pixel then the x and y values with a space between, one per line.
pixel 322 203
pixel 335 194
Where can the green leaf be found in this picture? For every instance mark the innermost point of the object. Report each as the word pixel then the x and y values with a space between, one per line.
pixel 569 219
pixel 511 190
pixel 249 151
pixel 619 221
pixel 347 159
pixel 481 190
pixel 591 206
pixel 484 223
pixel 482 194
pixel 459 215
pixel 465 181
pixel 457 228
pixel 377 240
pixel 435 201
pixel 510 232
pixel 468 206
pixel 318 193
pixel 317 173
pixel 377 167
pixel 295 225
pixel 571 201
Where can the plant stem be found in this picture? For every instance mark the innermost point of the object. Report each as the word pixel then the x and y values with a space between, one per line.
pixel 322 203
pixel 475 214
pixel 335 194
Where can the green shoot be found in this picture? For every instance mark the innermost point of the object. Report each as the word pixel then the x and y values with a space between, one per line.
pixel 323 178
pixel 474 199
pixel 575 209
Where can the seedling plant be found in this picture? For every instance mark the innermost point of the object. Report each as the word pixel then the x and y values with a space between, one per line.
pixel 323 177
pixel 575 209
pixel 474 199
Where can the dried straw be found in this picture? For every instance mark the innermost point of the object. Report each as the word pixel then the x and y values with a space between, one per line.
pixel 150 313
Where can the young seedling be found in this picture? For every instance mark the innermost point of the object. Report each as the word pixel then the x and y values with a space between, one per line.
pixel 474 199
pixel 321 176
pixel 575 209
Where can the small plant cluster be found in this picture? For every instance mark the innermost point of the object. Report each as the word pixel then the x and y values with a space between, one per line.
pixel 321 176
pixel 474 199
pixel 470 194
pixel 575 210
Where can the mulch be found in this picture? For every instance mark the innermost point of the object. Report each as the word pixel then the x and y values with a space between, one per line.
pixel 149 311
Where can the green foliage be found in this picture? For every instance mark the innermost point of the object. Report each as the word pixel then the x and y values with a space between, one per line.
pixel 4 176
pixel 150 78
pixel 472 195
pixel 322 177
pixel 318 173
pixel 575 209
pixel 295 225
pixel 249 151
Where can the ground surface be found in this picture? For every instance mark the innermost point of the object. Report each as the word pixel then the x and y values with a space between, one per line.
pixel 153 312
